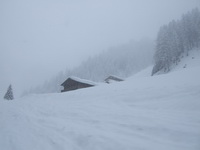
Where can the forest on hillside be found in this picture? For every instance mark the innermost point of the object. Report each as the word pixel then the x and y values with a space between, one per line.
pixel 175 39
pixel 122 61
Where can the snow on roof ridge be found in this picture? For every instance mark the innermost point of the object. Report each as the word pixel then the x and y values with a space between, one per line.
pixel 116 77
pixel 82 80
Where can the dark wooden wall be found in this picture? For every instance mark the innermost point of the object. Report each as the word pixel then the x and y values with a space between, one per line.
pixel 74 85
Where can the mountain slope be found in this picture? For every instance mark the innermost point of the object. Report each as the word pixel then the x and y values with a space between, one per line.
pixel 148 113
pixel 122 61
pixel 176 38
pixel 190 61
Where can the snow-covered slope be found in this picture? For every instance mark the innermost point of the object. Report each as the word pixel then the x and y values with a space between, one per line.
pixel 142 113
pixel 144 73
pixel 190 61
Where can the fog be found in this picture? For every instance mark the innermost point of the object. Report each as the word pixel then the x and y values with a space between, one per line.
pixel 42 37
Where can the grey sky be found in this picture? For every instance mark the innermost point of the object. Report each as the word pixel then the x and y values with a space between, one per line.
pixel 42 37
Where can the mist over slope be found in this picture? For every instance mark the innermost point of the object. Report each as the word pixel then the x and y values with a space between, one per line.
pixel 144 112
pixel 123 61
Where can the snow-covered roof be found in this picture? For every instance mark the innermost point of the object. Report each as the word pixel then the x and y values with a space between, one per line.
pixel 82 80
pixel 111 77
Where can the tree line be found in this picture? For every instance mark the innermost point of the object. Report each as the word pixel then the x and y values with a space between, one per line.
pixel 176 38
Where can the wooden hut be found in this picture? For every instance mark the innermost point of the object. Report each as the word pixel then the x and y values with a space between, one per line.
pixel 111 79
pixel 74 83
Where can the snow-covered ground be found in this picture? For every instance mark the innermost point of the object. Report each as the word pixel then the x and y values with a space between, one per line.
pixel 142 113
pixel 190 61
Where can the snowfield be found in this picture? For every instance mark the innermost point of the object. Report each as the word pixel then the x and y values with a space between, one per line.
pixel 142 113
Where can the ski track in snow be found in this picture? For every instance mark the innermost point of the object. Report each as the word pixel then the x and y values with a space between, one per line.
pixel 141 113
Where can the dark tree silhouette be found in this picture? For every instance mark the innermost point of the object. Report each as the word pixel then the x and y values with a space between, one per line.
pixel 9 93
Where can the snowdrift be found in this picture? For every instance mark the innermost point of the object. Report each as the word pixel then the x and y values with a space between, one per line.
pixel 142 113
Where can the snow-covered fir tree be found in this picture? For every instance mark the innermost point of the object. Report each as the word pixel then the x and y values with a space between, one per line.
pixel 9 93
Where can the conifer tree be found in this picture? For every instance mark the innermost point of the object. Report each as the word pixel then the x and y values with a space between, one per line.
pixel 9 93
